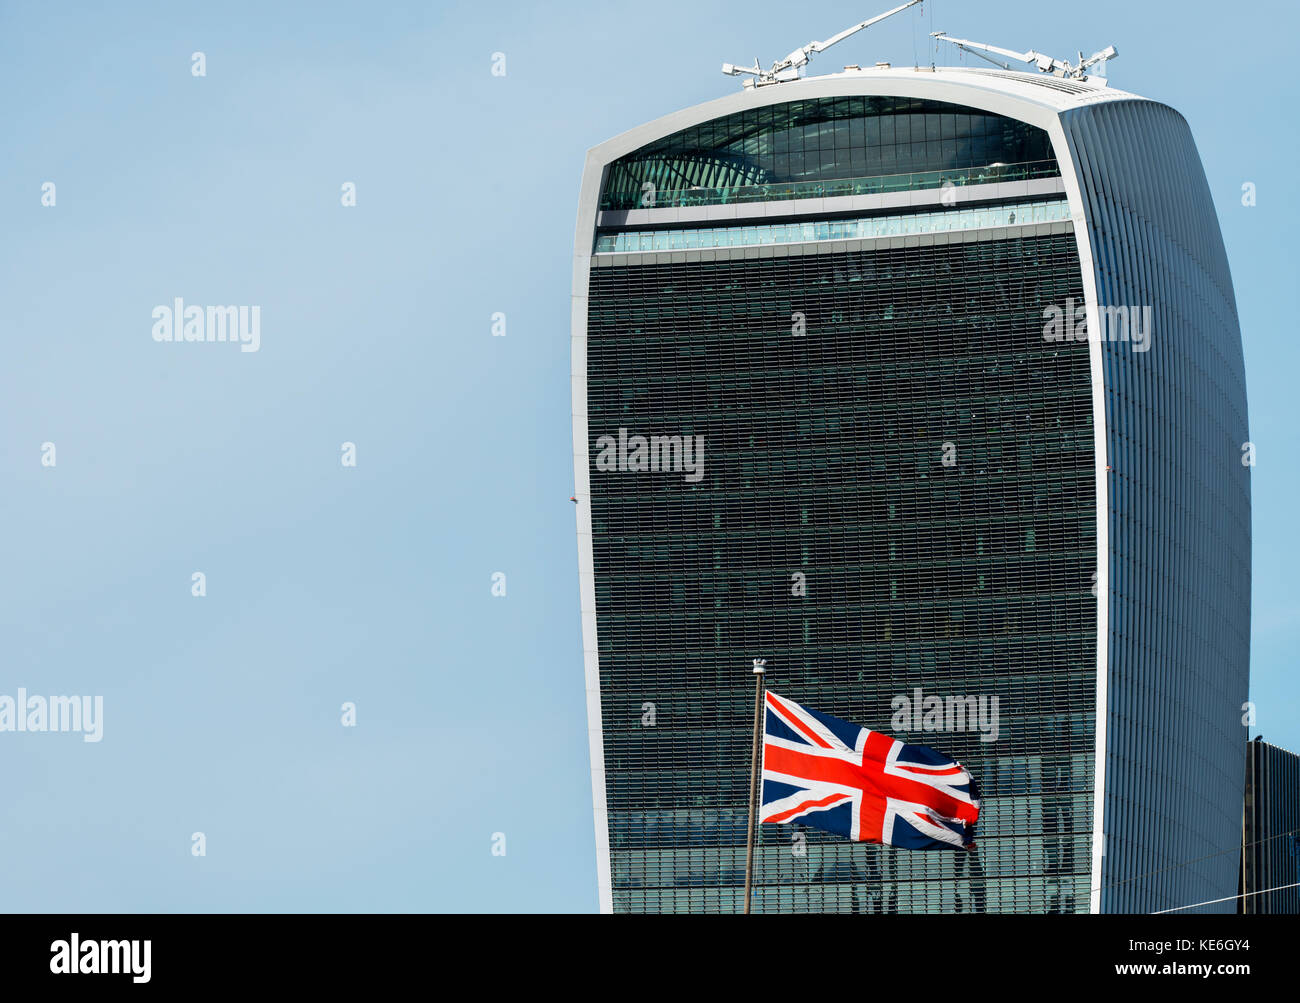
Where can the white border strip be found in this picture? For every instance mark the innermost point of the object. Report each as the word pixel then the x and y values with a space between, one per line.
pixel 1083 238
pixel 583 240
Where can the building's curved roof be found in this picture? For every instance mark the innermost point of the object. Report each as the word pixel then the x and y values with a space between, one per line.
pixel 1031 97
pixel 1056 92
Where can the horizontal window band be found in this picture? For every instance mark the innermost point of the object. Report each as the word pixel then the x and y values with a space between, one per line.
pixel 864 228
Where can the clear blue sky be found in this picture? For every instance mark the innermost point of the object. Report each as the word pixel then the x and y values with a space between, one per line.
pixel 372 584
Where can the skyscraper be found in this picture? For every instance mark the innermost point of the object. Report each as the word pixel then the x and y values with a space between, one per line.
pixel 927 386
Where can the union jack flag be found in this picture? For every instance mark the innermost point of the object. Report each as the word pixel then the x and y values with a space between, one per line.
pixel 828 773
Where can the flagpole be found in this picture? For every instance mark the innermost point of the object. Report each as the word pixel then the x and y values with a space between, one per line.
pixel 760 669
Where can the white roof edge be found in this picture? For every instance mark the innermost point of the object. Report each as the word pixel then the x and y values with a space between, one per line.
pixel 1030 97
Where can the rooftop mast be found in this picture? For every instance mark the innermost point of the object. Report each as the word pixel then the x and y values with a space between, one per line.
pixel 1056 67
pixel 789 67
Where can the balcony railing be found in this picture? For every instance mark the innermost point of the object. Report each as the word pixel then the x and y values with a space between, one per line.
pixel 916 180
pixel 939 221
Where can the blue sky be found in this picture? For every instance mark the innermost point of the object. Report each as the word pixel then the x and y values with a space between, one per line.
pixel 371 584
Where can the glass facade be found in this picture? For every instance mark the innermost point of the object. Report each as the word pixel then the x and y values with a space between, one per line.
pixel 825 459
pixel 1271 831
pixel 1179 513
pixel 942 221
pixel 801 148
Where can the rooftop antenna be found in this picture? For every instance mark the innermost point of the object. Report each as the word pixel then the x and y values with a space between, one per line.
pixel 789 67
pixel 1056 67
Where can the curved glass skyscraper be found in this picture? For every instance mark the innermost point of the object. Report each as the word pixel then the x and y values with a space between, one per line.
pixel 927 386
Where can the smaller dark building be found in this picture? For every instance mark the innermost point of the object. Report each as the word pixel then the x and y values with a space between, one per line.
pixel 1270 855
